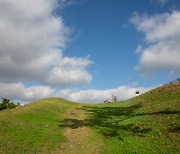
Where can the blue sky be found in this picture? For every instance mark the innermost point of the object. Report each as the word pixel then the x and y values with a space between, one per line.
pixel 87 50
pixel 103 31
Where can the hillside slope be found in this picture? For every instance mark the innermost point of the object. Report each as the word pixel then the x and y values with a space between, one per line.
pixel 149 123
pixel 34 127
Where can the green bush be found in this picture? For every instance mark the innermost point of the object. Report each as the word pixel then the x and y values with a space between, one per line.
pixel 6 104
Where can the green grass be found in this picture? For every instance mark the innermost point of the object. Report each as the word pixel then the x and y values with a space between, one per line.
pixel 34 127
pixel 147 124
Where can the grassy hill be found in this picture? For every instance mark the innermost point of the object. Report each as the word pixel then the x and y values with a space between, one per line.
pixel 149 123
pixel 34 127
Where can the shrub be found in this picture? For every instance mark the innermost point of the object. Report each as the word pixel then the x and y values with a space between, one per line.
pixel 6 104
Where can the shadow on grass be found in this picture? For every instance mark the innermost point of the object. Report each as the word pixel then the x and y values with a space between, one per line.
pixel 109 121
pixel 175 129
pixel 72 123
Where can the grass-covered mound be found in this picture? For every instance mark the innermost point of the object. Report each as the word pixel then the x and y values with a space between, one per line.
pixel 34 127
pixel 149 123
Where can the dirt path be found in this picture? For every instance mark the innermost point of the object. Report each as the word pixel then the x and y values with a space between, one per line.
pixel 80 138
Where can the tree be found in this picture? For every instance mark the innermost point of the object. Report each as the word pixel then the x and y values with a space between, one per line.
pixel 6 104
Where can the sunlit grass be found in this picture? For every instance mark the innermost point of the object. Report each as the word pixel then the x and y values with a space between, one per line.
pixel 149 123
pixel 34 127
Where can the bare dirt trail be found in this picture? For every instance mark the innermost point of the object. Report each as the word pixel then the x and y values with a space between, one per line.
pixel 80 138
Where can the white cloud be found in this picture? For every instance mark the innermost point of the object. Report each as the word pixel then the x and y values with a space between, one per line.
pixel 19 91
pixel 32 41
pixel 161 56
pixel 98 96
pixel 162 33
pixel 160 27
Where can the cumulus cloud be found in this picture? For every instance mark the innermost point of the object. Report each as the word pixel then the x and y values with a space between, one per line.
pixel 162 33
pixel 32 41
pixel 98 96
pixel 19 91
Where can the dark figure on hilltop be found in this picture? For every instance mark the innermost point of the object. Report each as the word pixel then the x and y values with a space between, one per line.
pixel 114 98
pixel 178 80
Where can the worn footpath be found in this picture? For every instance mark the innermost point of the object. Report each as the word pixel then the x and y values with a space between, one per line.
pixel 80 138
